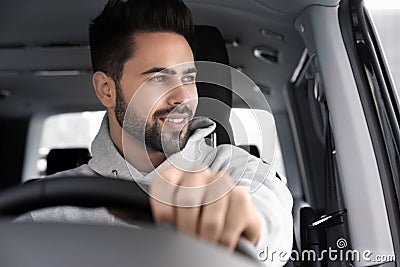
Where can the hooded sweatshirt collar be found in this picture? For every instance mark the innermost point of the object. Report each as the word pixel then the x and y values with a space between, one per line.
pixel 108 162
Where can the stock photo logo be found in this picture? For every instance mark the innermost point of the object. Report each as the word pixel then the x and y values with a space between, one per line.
pixel 339 253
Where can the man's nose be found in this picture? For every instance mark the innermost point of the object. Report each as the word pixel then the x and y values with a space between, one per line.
pixel 178 95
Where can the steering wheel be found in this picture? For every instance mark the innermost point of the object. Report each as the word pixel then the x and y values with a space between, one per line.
pixel 88 192
pixel 92 192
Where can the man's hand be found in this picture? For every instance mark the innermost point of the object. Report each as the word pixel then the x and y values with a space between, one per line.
pixel 205 204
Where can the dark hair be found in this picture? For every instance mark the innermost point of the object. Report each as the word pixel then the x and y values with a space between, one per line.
pixel 110 33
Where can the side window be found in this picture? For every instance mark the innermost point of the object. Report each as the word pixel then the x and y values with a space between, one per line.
pixel 70 130
pixel 374 33
pixel 379 24
pixel 386 17
pixel 261 136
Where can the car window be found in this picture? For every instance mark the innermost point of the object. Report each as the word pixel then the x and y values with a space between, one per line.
pixel 68 130
pixel 247 131
pixel 376 34
pixel 386 17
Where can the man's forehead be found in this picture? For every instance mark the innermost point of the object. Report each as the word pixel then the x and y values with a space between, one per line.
pixel 159 51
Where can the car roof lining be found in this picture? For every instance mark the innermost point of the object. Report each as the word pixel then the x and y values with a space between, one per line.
pixel 48 35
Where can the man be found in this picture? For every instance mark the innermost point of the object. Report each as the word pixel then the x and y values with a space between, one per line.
pixel 144 75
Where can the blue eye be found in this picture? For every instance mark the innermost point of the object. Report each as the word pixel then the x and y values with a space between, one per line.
pixel 189 79
pixel 158 79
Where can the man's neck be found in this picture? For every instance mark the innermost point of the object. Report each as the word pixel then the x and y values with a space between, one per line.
pixel 144 160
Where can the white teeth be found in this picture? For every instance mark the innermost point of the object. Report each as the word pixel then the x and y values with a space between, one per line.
pixel 175 120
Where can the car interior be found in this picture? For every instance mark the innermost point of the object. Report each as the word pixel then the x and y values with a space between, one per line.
pixel 303 59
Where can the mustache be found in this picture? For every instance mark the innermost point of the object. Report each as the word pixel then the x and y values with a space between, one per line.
pixel 178 109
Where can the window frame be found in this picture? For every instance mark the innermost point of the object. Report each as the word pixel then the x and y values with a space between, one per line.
pixel 364 51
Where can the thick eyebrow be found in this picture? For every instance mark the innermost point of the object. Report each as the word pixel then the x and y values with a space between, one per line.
pixel 167 71
pixel 191 70
pixel 159 69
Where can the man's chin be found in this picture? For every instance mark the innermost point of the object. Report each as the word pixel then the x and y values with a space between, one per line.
pixel 174 144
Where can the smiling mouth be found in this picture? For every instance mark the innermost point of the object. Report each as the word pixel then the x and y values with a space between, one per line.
pixel 175 121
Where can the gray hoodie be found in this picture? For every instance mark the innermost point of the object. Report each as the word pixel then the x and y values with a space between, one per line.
pixel 272 198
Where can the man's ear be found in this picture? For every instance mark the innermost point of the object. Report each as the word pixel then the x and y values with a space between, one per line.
pixel 105 89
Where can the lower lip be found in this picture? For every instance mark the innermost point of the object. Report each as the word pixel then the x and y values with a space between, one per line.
pixel 175 126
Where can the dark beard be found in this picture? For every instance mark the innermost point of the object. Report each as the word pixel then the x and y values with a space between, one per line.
pixel 134 124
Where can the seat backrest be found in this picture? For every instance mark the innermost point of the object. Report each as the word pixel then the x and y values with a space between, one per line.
pixel 209 45
pixel 66 158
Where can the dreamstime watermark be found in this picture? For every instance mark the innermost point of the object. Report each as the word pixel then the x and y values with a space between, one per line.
pixel 340 253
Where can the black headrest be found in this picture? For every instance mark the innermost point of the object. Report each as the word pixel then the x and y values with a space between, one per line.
pixel 209 45
pixel 65 159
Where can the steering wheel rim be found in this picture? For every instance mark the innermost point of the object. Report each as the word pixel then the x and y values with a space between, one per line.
pixel 85 192
pixel 80 191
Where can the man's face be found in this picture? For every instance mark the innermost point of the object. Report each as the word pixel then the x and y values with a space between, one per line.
pixel 157 95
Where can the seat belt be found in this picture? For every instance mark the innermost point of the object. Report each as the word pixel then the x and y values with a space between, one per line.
pixel 329 231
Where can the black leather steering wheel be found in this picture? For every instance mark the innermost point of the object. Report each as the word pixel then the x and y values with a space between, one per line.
pixel 88 192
